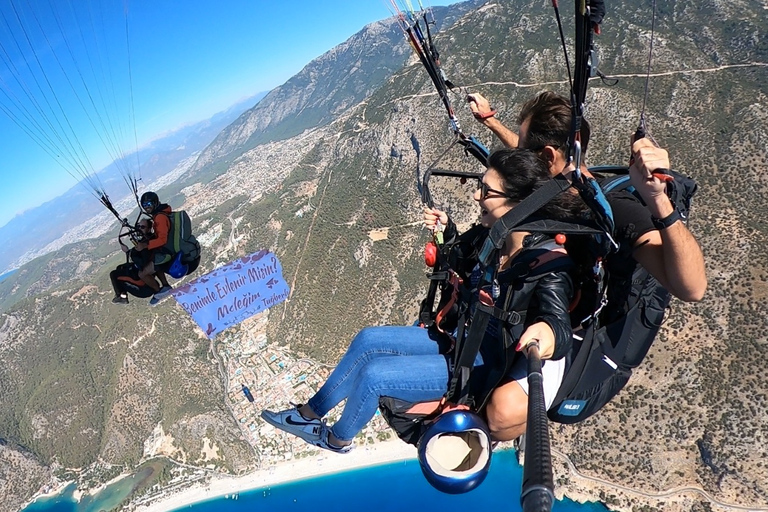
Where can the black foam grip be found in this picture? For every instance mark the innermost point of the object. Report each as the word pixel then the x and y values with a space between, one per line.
pixel 538 484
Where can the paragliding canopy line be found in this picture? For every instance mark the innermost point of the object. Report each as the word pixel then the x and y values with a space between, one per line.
pixel 66 81
pixel 416 27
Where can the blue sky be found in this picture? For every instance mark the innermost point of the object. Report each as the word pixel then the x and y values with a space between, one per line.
pixel 188 60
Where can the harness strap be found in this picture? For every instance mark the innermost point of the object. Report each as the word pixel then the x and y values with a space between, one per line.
pixel 440 275
pixel 468 348
pixel 541 258
pixel 508 317
pixel 530 205
pixel 425 312
pixel 455 281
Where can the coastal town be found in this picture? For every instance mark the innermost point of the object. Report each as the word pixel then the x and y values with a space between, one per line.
pixel 274 378
pixel 261 374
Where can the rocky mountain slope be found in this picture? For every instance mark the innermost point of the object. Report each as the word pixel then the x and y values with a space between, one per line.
pixel 338 205
pixel 324 89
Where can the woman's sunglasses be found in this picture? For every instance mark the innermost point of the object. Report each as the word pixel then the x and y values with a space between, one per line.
pixel 485 190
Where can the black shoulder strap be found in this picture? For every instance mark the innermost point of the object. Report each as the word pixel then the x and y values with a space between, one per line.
pixel 589 191
pixel 505 225
pixel 467 347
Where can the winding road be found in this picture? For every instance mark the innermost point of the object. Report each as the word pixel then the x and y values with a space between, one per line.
pixel 656 495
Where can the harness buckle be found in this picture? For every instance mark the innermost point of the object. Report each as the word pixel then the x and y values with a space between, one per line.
pixel 512 317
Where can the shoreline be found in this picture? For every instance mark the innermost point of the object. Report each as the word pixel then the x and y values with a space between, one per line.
pixel 78 494
pixel 291 470
pixel 50 493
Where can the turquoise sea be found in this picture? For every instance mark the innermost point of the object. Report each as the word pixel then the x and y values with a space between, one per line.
pixel 7 274
pixel 396 487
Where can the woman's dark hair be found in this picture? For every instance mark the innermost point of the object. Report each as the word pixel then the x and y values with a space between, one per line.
pixel 522 172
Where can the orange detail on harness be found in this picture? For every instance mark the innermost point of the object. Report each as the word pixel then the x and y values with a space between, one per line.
pixel 137 282
pixel 455 282
pixel 436 406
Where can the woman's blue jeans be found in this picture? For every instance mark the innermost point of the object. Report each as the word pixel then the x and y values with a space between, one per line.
pixel 400 362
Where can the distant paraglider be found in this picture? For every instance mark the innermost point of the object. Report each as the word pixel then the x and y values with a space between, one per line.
pixel 66 81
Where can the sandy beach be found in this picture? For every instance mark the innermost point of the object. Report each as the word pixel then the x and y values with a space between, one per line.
pixel 291 470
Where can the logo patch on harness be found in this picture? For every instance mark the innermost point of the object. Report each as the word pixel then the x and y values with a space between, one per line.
pixel 571 407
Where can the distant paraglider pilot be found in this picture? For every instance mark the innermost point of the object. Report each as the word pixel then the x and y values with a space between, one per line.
pixel 169 248
pixel 160 214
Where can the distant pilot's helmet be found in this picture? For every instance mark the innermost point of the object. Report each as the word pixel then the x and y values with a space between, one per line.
pixel 149 202
pixel 455 452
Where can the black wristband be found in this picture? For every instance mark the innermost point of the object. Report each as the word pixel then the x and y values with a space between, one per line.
pixel 666 221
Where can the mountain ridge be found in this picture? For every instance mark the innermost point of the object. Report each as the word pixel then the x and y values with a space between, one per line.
pixel 320 91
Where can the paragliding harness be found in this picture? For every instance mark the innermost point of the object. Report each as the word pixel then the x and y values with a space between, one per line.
pixel 416 27
pixel 612 347
pixel 616 337
pixel 419 35
pixel 466 327
pixel 127 277
pixel 471 313
pixel 603 357
pixel 619 345
pixel 464 314
pixel 181 245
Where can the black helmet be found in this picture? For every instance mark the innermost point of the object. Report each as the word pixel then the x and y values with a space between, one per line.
pixel 455 452
pixel 149 202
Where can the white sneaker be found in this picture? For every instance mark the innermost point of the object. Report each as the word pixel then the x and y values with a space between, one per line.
pixel 291 421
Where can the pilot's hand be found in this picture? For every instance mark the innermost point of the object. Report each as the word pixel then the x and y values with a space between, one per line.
pixel 480 107
pixel 647 174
